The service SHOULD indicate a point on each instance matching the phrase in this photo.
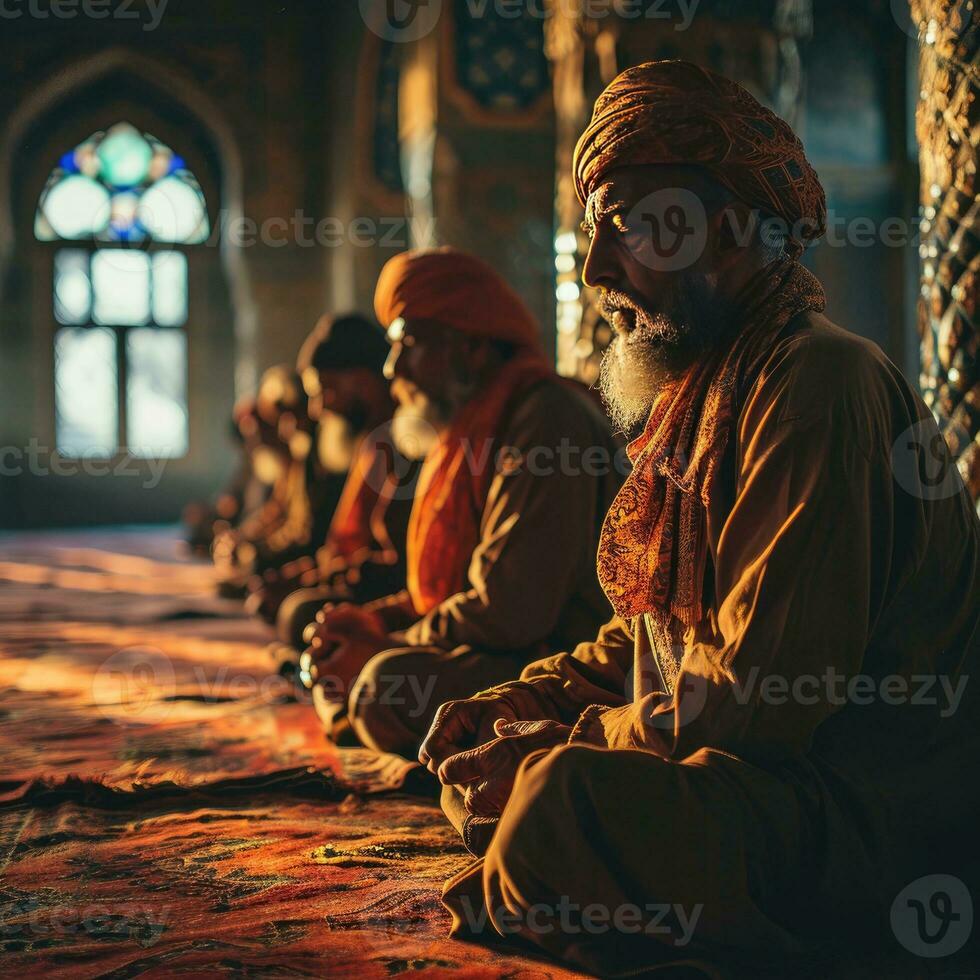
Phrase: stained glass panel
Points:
(156, 392)
(86, 392)
(72, 287)
(169, 289)
(173, 211)
(122, 185)
(76, 207)
(124, 156)
(121, 284)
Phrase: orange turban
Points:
(677, 113)
(454, 289)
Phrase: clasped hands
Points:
(478, 745)
(341, 640)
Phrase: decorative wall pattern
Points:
(497, 61)
(948, 128)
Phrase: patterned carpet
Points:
(167, 807)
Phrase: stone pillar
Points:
(947, 122)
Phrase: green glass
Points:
(125, 156)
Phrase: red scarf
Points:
(444, 526)
(370, 483)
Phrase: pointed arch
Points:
(171, 86)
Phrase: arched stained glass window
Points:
(129, 207)
(121, 185)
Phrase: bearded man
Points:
(743, 761)
(363, 554)
(519, 470)
(302, 497)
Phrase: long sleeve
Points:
(537, 534)
(595, 672)
(800, 567)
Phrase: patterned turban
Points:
(456, 290)
(677, 113)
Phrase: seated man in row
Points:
(519, 470)
(242, 496)
(363, 555)
(773, 738)
(302, 496)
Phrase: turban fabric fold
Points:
(678, 114)
(457, 290)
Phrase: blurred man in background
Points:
(278, 437)
(519, 469)
(363, 554)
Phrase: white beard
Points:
(266, 465)
(299, 445)
(415, 430)
(334, 442)
(629, 378)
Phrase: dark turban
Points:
(344, 343)
(679, 114)
(457, 290)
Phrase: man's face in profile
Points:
(651, 259)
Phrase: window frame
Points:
(120, 330)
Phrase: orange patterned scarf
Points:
(653, 546)
(444, 526)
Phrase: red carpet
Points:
(166, 807)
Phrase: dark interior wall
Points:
(858, 131)
(250, 94)
(273, 101)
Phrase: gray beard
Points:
(415, 429)
(659, 349)
(335, 442)
(629, 377)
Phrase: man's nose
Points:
(600, 268)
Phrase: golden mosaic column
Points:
(948, 128)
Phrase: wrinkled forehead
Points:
(653, 185)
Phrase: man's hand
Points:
(486, 773)
(336, 622)
(343, 639)
(269, 590)
(460, 725)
